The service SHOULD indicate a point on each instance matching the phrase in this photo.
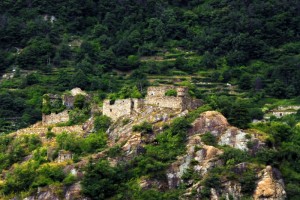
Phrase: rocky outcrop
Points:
(235, 138)
(270, 185)
(200, 157)
(216, 124)
(72, 192)
(145, 183)
(210, 121)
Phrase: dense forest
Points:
(111, 48)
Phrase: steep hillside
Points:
(155, 152)
(55, 46)
(182, 99)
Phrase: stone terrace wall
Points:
(54, 118)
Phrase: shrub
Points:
(101, 181)
(19, 179)
(69, 142)
(79, 101)
(102, 123)
(144, 127)
(69, 180)
(125, 121)
(94, 142)
(78, 116)
(172, 93)
(247, 180)
(114, 151)
(179, 126)
(50, 134)
(209, 139)
(232, 156)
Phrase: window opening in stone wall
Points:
(110, 110)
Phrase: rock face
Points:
(72, 192)
(204, 158)
(270, 186)
(201, 158)
(210, 121)
(234, 137)
(215, 123)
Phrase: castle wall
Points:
(165, 102)
(159, 91)
(68, 101)
(120, 108)
(155, 97)
(54, 118)
(138, 104)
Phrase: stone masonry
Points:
(67, 100)
(54, 118)
(121, 107)
(155, 97)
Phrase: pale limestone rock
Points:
(78, 91)
(210, 121)
(74, 192)
(269, 187)
(234, 137)
(207, 157)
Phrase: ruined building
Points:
(156, 96)
(56, 107)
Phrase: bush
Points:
(172, 93)
(79, 101)
(144, 127)
(102, 123)
(101, 181)
(78, 116)
(232, 156)
(20, 179)
(94, 142)
(114, 151)
(209, 139)
(247, 180)
(69, 142)
(69, 180)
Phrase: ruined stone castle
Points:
(67, 100)
(156, 96)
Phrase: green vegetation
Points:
(172, 93)
(102, 123)
(241, 57)
(209, 139)
(144, 127)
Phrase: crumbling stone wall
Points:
(54, 118)
(64, 155)
(155, 97)
(63, 102)
(121, 107)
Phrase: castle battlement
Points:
(156, 96)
